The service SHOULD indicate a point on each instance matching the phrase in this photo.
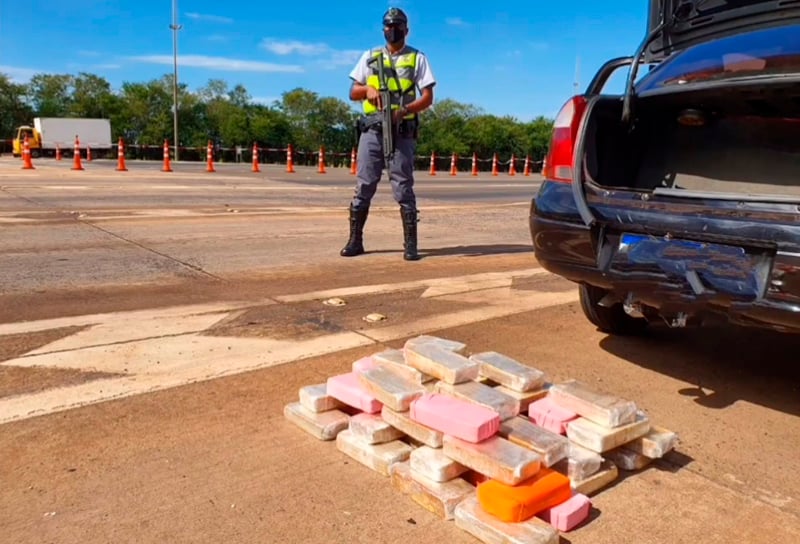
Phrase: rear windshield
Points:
(763, 53)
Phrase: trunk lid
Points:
(690, 22)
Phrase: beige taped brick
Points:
(605, 476)
(434, 465)
(323, 425)
(600, 439)
(477, 393)
(417, 431)
(655, 444)
(443, 343)
(525, 399)
(315, 398)
(508, 372)
(579, 464)
(373, 429)
(470, 517)
(395, 361)
(378, 457)
(551, 446)
(443, 364)
(390, 389)
(496, 457)
(441, 498)
(627, 459)
(603, 409)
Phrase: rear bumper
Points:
(565, 246)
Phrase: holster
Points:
(366, 123)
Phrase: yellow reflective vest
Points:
(399, 72)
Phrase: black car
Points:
(679, 200)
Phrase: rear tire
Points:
(611, 319)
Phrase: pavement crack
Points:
(190, 266)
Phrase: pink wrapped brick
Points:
(346, 388)
(365, 363)
(569, 514)
(459, 418)
(546, 413)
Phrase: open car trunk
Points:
(734, 142)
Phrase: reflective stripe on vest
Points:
(405, 66)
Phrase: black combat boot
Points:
(355, 245)
(409, 234)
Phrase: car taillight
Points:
(559, 160)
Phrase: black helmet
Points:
(394, 16)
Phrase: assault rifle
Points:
(387, 126)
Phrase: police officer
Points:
(407, 72)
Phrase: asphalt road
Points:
(154, 326)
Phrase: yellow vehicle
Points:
(50, 133)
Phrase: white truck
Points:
(49, 133)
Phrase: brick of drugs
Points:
(551, 446)
(546, 413)
(627, 459)
(477, 393)
(443, 343)
(599, 438)
(515, 503)
(580, 463)
(470, 517)
(496, 457)
(508, 372)
(373, 429)
(348, 389)
(389, 388)
(465, 420)
(378, 457)
(440, 363)
(605, 476)
(569, 514)
(402, 421)
(394, 360)
(434, 465)
(363, 364)
(655, 444)
(315, 398)
(601, 408)
(441, 498)
(525, 399)
(322, 425)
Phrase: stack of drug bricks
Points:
(483, 440)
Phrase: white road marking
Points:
(160, 349)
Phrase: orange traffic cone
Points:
(289, 160)
(58, 152)
(474, 164)
(321, 161)
(256, 167)
(121, 157)
(512, 168)
(433, 164)
(353, 162)
(167, 164)
(494, 165)
(88, 154)
(527, 171)
(453, 170)
(26, 155)
(210, 158)
(76, 154)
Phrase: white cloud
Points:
(456, 21)
(107, 66)
(210, 18)
(219, 63)
(294, 46)
(346, 57)
(218, 38)
(18, 75)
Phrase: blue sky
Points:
(510, 57)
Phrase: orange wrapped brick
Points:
(523, 501)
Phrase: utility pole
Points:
(175, 28)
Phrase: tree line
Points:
(142, 114)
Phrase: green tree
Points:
(14, 109)
(51, 95)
